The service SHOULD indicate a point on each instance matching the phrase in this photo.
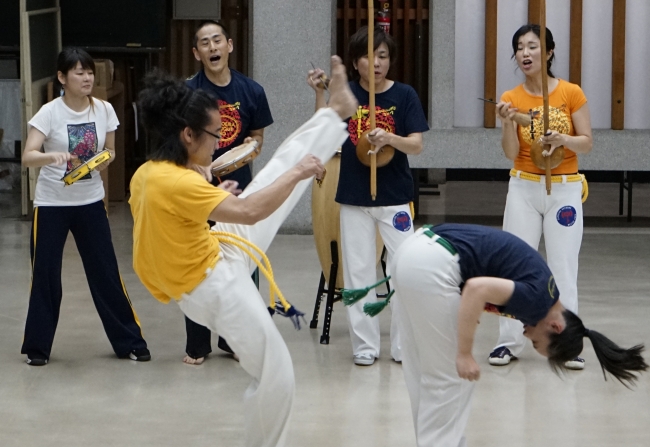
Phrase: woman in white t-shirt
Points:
(70, 130)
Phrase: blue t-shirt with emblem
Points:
(485, 251)
(243, 107)
(398, 110)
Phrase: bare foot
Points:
(342, 101)
(191, 361)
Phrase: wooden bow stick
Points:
(371, 93)
(545, 117)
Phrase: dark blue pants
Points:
(89, 226)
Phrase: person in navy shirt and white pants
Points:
(446, 276)
(400, 123)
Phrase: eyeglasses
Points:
(218, 137)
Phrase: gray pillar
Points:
(286, 36)
(442, 19)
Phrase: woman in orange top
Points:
(529, 210)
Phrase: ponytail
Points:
(619, 362)
(615, 360)
(167, 106)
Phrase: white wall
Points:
(469, 63)
(637, 64)
(597, 60)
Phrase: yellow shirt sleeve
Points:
(195, 198)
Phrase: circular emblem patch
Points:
(566, 216)
(551, 287)
(402, 221)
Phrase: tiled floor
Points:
(86, 396)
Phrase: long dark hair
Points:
(68, 60)
(619, 362)
(358, 48)
(167, 106)
(550, 43)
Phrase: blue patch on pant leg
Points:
(567, 216)
(402, 221)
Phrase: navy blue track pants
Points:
(89, 226)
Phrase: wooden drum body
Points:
(326, 221)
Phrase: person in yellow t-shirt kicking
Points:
(529, 211)
(176, 256)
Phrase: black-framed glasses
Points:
(218, 137)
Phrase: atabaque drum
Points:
(235, 158)
(326, 222)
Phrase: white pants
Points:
(427, 278)
(358, 245)
(531, 212)
(227, 301)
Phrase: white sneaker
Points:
(576, 364)
(364, 359)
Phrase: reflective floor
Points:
(86, 396)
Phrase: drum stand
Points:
(333, 294)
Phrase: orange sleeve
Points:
(577, 98)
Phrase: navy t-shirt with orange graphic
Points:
(243, 107)
(398, 111)
(485, 251)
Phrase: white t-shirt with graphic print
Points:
(79, 133)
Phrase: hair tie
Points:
(587, 331)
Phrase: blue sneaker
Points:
(501, 356)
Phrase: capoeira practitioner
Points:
(446, 276)
(400, 123)
(529, 211)
(208, 275)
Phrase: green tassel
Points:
(373, 309)
(351, 296)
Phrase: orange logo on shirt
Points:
(360, 121)
(230, 123)
(559, 121)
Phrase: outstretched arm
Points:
(476, 294)
(261, 204)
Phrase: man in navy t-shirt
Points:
(244, 113)
(242, 102)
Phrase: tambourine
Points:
(235, 158)
(86, 167)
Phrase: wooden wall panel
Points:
(409, 27)
(533, 11)
(575, 45)
(618, 66)
(178, 58)
(490, 81)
